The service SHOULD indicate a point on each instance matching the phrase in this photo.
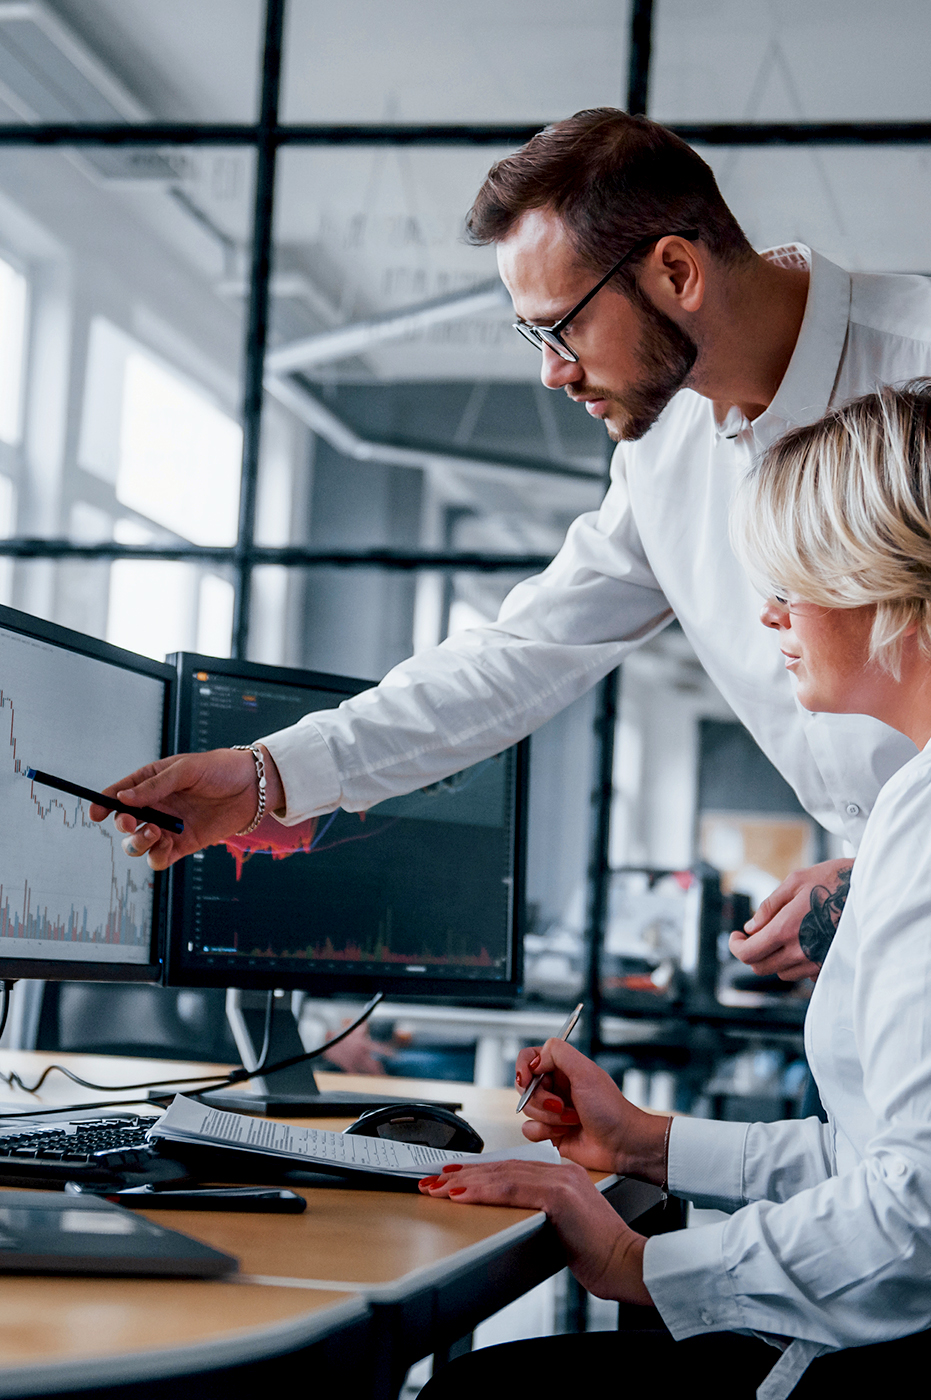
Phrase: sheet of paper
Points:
(189, 1121)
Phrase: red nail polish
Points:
(452, 1167)
(457, 1190)
(535, 1063)
(553, 1105)
(428, 1181)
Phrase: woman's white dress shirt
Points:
(831, 1239)
(657, 548)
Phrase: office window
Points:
(152, 606)
(215, 615)
(7, 518)
(179, 455)
(13, 299)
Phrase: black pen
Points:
(143, 814)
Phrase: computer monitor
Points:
(420, 896)
(73, 905)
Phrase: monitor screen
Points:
(420, 894)
(73, 905)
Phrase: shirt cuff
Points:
(706, 1162)
(308, 773)
(685, 1275)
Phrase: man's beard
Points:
(667, 355)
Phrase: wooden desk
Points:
(427, 1271)
(174, 1337)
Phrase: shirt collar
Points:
(804, 394)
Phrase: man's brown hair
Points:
(613, 179)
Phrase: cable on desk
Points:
(237, 1076)
(267, 1033)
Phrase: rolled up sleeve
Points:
(485, 688)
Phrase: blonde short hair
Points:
(839, 513)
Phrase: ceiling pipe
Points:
(393, 325)
(345, 440)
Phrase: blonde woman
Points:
(826, 1255)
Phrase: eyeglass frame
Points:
(536, 335)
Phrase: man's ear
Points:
(674, 276)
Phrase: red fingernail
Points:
(553, 1105)
(457, 1190)
(428, 1181)
(534, 1063)
(453, 1167)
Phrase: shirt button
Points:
(706, 1317)
(852, 809)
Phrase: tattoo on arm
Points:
(819, 925)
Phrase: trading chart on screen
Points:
(67, 889)
(420, 885)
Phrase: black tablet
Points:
(43, 1232)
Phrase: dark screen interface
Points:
(417, 885)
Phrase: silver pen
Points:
(564, 1033)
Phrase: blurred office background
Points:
(400, 478)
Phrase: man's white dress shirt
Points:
(658, 547)
(831, 1240)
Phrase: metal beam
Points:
(344, 439)
(286, 556)
(804, 133)
(355, 339)
(257, 324)
(852, 133)
(638, 64)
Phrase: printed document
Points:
(189, 1121)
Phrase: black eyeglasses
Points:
(551, 335)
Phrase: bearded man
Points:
(634, 281)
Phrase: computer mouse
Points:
(421, 1123)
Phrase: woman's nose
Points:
(773, 614)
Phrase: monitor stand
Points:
(293, 1092)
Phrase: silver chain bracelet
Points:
(256, 753)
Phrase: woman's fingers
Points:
(528, 1063)
(550, 1112)
(510, 1183)
(555, 1133)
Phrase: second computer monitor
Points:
(421, 894)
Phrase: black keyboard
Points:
(96, 1150)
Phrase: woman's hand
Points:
(605, 1255)
(580, 1109)
(215, 794)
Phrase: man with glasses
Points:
(632, 278)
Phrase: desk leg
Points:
(460, 1348)
(575, 1306)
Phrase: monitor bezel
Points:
(462, 991)
(56, 969)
